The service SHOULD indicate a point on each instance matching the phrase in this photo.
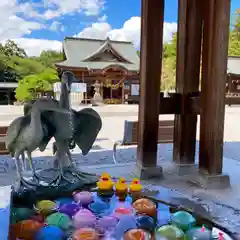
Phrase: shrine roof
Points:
(233, 65)
(79, 53)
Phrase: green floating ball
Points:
(198, 233)
(20, 214)
(60, 220)
(170, 232)
(183, 220)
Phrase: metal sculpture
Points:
(56, 119)
(25, 135)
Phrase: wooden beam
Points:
(214, 75)
(152, 18)
(187, 78)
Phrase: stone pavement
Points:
(113, 122)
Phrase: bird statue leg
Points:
(22, 181)
(23, 161)
(32, 167)
(74, 171)
(61, 159)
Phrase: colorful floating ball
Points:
(50, 233)
(145, 206)
(170, 232)
(69, 209)
(145, 222)
(106, 222)
(137, 234)
(198, 233)
(62, 201)
(26, 229)
(122, 211)
(60, 220)
(84, 218)
(45, 207)
(99, 208)
(85, 234)
(20, 214)
(83, 197)
(39, 218)
(183, 220)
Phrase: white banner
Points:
(135, 89)
(57, 87)
(76, 87)
(79, 87)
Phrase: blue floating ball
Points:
(50, 233)
(145, 222)
(64, 200)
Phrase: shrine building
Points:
(112, 65)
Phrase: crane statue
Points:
(80, 127)
(25, 134)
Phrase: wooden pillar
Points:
(214, 74)
(189, 38)
(150, 75)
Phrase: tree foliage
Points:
(32, 85)
(234, 38)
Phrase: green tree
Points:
(25, 66)
(234, 38)
(12, 49)
(31, 86)
(49, 58)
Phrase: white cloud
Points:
(102, 18)
(19, 20)
(55, 26)
(88, 7)
(34, 47)
(130, 31)
(13, 25)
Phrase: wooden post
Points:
(189, 38)
(214, 74)
(150, 67)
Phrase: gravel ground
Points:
(112, 130)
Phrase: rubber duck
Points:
(105, 182)
(135, 186)
(121, 186)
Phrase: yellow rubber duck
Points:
(121, 186)
(135, 186)
(105, 182)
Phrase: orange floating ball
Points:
(85, 234)
(145, 206)
(25, 229)
(137, 234)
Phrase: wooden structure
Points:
(114, 64)
(7, 93)
(203, 32)
(130, 137)
(3, 132)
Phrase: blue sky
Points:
(117, 11)
(42, 24)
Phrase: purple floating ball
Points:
(106, 222)
(83, 197)
(69, 209)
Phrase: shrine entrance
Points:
(113, 91)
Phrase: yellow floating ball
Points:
(45, 206)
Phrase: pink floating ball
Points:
(84, 218)
(83, 197)
(122, 211)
